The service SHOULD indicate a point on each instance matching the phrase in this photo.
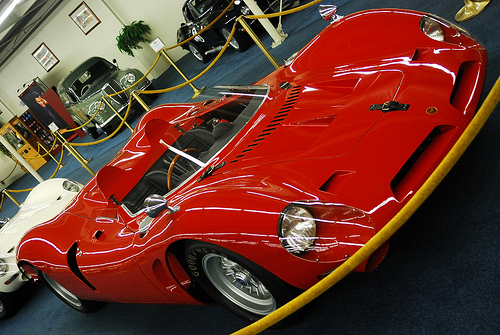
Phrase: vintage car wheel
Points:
(66, 296)
(243, 287)
(92, 132)
(239, 42)
(6, 306)
(198, 53)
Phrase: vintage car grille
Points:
(111, 88)
(277, 120)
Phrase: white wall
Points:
(71, 46)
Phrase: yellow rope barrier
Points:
(391, 227)
(285, 12)
(1, 202)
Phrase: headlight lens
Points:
(93, 107)
(4, 267)
(130, 78)
(245, 10)
(432, 28)
(71, 186)
(297, 229)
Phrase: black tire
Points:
(198, 52)
(83, 306)
(239, 42)
(7, 308)
(108, 130)
(226, 277)
(92, 131)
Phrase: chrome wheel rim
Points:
(195, 52)
(1, 307)
(238, 285)
(233, 41)
(62, 292)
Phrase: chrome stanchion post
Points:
(197, 91)
(74, 152)
(6, 192)
(136, 96)
(257, 41)
(53, 158)
(471, 9)
(116, 112)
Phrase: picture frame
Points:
(45, 57)
(84, 18)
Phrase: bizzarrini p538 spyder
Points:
(251, 195)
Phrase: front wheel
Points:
(7, 308)
(243, 287)
(239, 42)
(66, 296)
(198, 52)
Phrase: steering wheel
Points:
(172, 164)
(85, 89)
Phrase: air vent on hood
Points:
(274, 123)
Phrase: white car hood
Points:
(39, 207)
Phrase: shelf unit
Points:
(24, 141)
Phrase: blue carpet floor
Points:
(441, 275)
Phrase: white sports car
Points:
(45, 202)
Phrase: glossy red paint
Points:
(313, 142)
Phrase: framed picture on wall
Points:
(84, 18)
(45, 57)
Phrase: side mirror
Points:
(329, 13)
(154, 204)
(3, 222)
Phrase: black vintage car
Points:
(200, 13)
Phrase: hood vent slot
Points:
(276, 121)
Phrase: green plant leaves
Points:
(130, 36)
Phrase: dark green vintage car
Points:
(82, 89)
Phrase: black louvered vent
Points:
(278, 119)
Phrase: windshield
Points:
(190, 145)
(84, 82)
(201, 6)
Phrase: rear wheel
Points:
(66, 296)
(243, 287)
(6, 306)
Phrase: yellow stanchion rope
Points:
(285, 12)
(392, 226)
(110, 135)
(52, 176)
(1, 202)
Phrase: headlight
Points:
(432, 28)
(130, 78)
(245, 10)
(4, 267)
(71, 186)
(297, 229)
(93, 107)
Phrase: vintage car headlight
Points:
(432, 28)
(297, 229)
(245, 10)
(4, 267)
(129, 78)
(93, 107)
(71, 186)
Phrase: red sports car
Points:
(264, 189)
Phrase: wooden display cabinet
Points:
(24, 141)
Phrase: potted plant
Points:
(130, 36)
